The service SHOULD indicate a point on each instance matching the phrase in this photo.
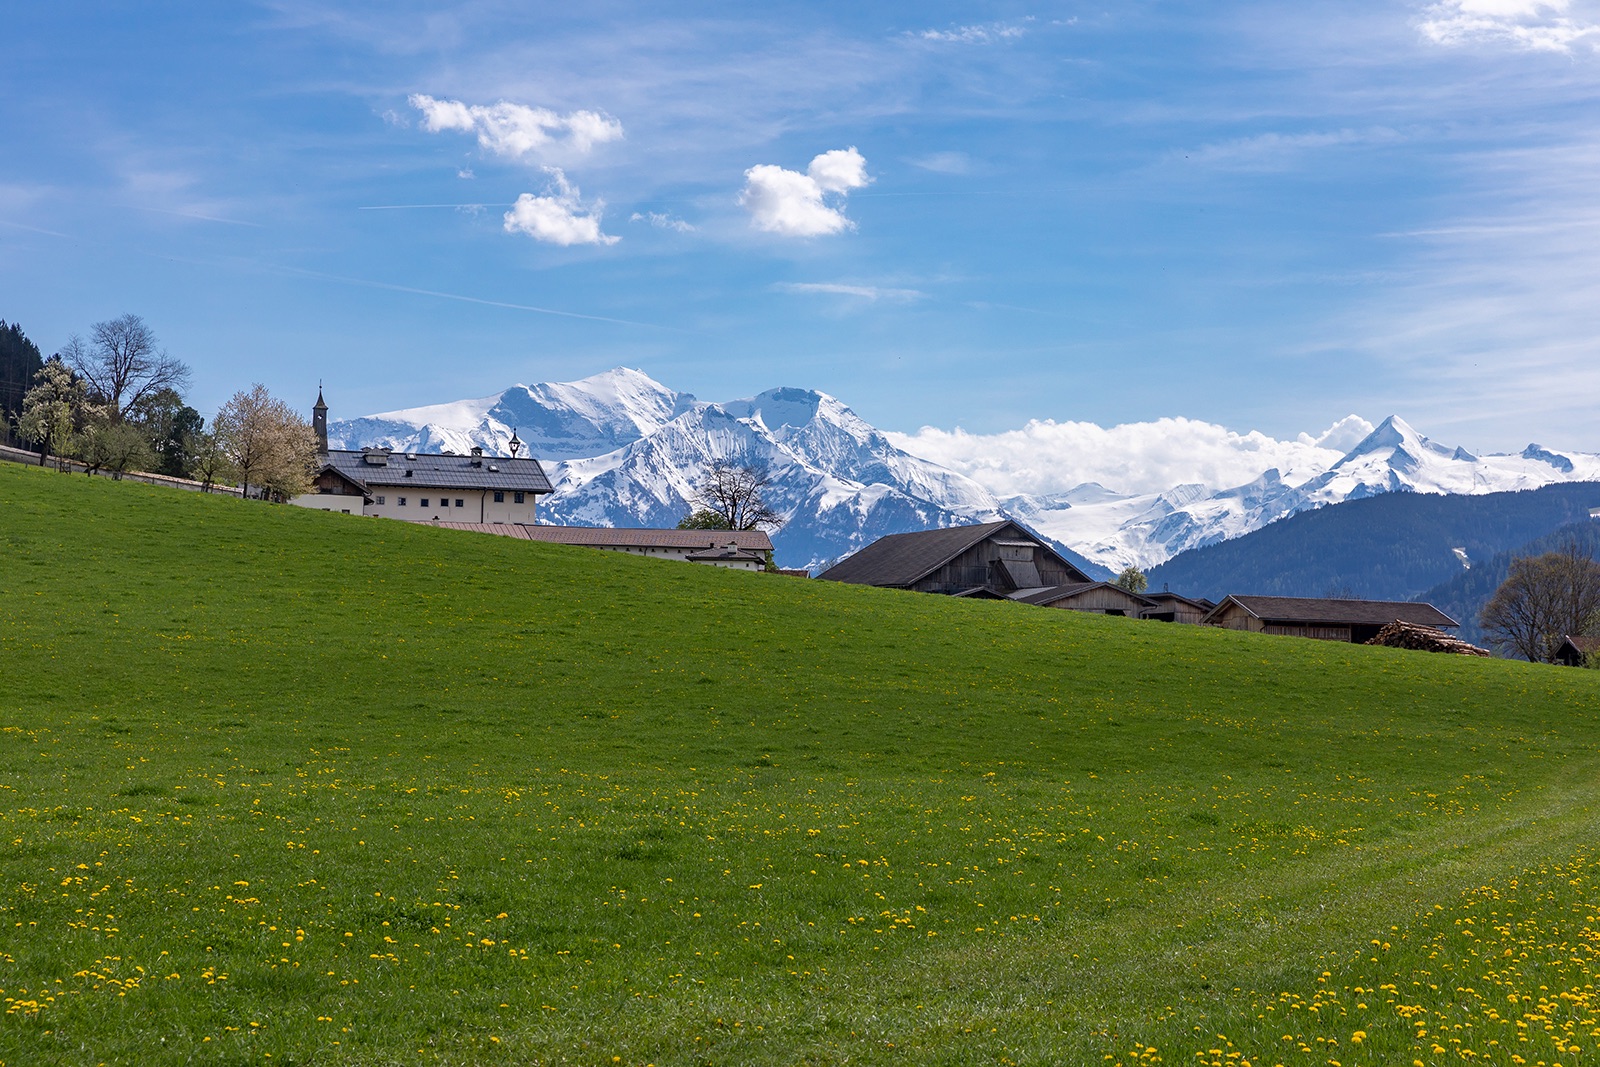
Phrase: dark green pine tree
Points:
(19, 362)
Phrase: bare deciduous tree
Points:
(733, 494)
(122, 364)
(1542, 601)
(268, 444)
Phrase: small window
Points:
(460, 503)
(499, 498)
(516, 498)
(444, 502)
(380, 501)
(401, 502)
(424, 501)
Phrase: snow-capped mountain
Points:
(555, 420)
(623, 450)
(1116, 530)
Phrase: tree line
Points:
(114, 402)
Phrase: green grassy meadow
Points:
(280, 786)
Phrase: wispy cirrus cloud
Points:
(1276, 151)
(1538, 25)
(978, 33)
(517, 130)
(662, 221)
(871, 293)
(793, 204)
(559, 217)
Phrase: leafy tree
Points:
(20, 361)
(267, 443)
(704, 519)
(114, 446)
(53, 409)
(122, 364)
(734, 494)
(169, 427)
(1132, 579)
(208, 460)
(1542, 601)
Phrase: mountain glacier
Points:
(623, 450)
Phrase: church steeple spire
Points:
(319, 422)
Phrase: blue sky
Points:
(1267, 216)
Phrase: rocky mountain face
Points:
(623, 450)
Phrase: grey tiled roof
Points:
(607, 537)
(1325, 612)
(427, 471)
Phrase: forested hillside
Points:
(1463, 596)
(1392, 547)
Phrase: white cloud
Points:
(872, 293)
(792, 204)
(1539, 25)
(559, 217)
(519, 131)
(1046, 456)
(985, 33)
(662, 221)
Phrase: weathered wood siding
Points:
(1317, 633)
(1102, 601)
(973, 568)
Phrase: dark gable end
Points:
(957, 558)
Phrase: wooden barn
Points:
(1170, 607)
(1577, 651)
(995, 558)
(1357, 621)
(1099, 598)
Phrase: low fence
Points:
(72, 466)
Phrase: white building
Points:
(423, 487)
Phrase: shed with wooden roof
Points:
(1578, 651)
(1001, 557)
(745, 550)
(1319, 617)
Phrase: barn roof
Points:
(1167, 597)
(1056, 594)
(1322, 611)
(904, 559)
(608, 537)
(1587, 646)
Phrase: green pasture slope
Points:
(281, 786)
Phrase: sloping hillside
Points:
(346, 790)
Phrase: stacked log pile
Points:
(1424, 639)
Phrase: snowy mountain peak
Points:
(624, 450)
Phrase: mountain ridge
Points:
(624, 450)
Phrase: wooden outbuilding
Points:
(1324, 619)
(745, 550)
(1098, 598)
(1170, 607)
(1576, 651)
(992, 558)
